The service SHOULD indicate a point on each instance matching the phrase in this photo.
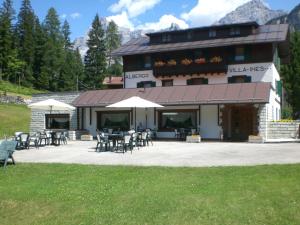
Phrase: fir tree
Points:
(113, 41)
(291, 73)
(66, 35)
(41, 79)
(26, 40)
(95, 59)
(53, 50)
(6, 37)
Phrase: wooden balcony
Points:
(192, 68)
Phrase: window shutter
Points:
(153, 84)
(279, 87)
(205, 81)
(189, 82)
(140, 85)
(248, 79)
(230, 80)
(247, 53)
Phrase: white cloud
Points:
(164, 22)
(75, 15)
(207, 12)
(133, 7)
(121, 20)
(63, 16)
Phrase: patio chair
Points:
(102, 142)
(43, 137)
(35, 139)
(135, 140)
(24, 141)
(127, 143)
(144, 139)
(63, 137)
(177, 134)
(57, 138)
(149, 136)
(7, 149)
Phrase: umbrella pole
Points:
(135, 118)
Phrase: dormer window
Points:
(212, 33)
(234, 31)
(166, 38)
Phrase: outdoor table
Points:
(114, 138)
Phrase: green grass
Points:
(13, 118)
(79, 194)
(13, 89)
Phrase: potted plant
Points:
(216, 59)
(186, 61)
(172, 62)
(159, 63)
(200, 60)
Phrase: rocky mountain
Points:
(293, 18)
(255, 10)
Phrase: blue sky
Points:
(144, 14)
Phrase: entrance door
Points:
(239, 122)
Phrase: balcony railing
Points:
(192, 68)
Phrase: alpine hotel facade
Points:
(221, 80)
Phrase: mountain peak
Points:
(254, 10)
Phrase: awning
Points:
(181, 95)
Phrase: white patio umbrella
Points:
(135, 102)
(51, 105)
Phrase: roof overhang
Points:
(182, 95)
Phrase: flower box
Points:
(200, 61)
(171, 62)
(193, 139)
(186, 62)
(159, 63)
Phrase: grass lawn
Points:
(79, 194)
(14, 89)
(13, 118)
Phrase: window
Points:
(113, 120)
(239, 54)
(166, 38)
(147, 61)
(146, 84)
(212, 33)
(167, 83)
(177, 119)
(197, 81)
(239, 79)
(235, 31)
(57, 121)
(189, 35)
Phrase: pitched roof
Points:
(113, 80)
(265, 34)
(181, 95)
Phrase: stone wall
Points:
(262, 125)
(38, 122)
(283, 130)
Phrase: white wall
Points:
(209, 127)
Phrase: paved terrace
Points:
(168, 154)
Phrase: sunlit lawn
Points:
(78, 194)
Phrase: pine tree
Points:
(95, 59)
(6, 37)
(26, 40)
(66, 35)
(113, 41)
(53, 50)
(41, 79)
(291, 73)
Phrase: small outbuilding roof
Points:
(181, 95)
